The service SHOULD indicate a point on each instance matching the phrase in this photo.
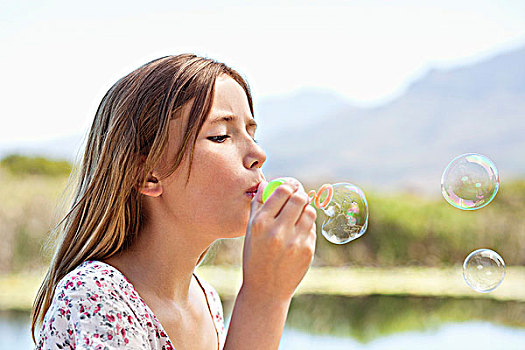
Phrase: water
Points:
(14, 331)
(370, 323)
(459, 336)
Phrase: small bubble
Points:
(483, 270)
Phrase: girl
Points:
(170, 166)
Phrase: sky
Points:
(58, 58)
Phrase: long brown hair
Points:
(128, 138)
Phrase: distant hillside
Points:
(317, 136)
(297, 110)
(407, 143)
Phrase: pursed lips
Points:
(252, 191)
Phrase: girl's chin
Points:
(235, 229)
(235, 234)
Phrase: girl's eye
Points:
(219, 139)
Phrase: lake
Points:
(370, 323)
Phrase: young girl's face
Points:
(226, 168)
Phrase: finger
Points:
(307, 219)
(312, 239)
(307, 242)
(294, 181)
(293, 208)
(275, 203)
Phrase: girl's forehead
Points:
(229, 98)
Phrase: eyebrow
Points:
(231, 118)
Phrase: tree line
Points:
(404, 229)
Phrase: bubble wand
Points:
(343, 205)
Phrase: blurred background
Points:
(380, 94)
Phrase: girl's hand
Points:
(280, 241)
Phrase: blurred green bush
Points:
(404, 229)
(26, 165)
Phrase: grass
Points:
(361, 281)
(17, 291)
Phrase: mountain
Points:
(297, 110)
(407, 143)
(318, 136)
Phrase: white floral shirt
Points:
(96, 307)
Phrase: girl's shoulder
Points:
(95, 276)
(97, 282)
(95, 306)
(101, 286)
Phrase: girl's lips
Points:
(252, 191)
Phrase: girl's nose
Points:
(255, 157)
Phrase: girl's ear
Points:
(151, 188)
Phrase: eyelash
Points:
(219, 139)
(222, 138)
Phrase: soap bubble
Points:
(483, 270)
(470, 181)
(347, 213)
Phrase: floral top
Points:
(96, 307)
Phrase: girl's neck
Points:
(160, 264)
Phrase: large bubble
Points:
(470, 181)
(347, 214)
(484, 270)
